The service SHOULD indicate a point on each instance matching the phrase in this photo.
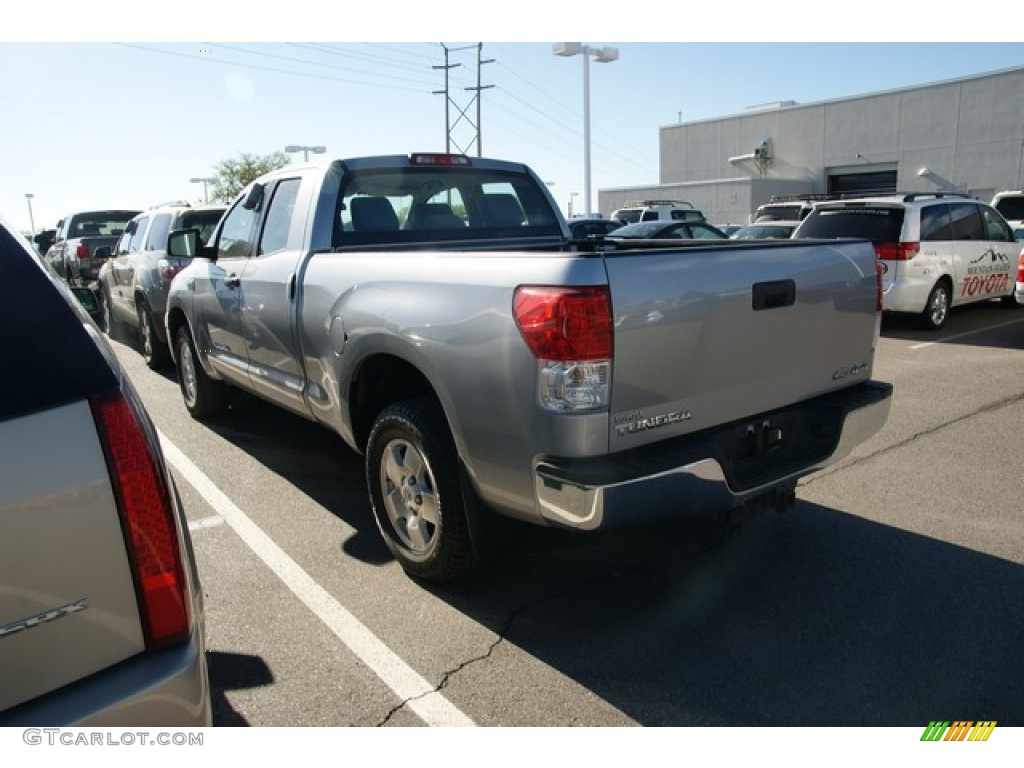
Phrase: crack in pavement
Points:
(733, 521)
(843, 466)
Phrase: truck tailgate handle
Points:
(773, 294)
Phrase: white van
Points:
(937, 250)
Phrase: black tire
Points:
(936, 309)
(202, 395)
(422, 504)
(154, 352)
(111, 325)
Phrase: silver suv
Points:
(937, 250)
(101, 613)
(133, 282)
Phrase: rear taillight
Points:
(1020, 268)
(168, 268)
(897, 251)
(148, 519)
(82, 251)
(565, 323)
(569, 331)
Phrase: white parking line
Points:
(432, 707)
(206, 522)
(968, 333)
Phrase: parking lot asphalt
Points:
(886, 597)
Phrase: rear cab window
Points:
(410, 205)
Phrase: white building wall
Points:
(968, 134)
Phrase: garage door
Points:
(867, 183)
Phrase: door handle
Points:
(232, 281)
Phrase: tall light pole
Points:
(305, 150)
(602, 55)
(31, 218)
(205, 180)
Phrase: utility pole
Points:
(449, 102)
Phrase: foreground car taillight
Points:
(569, 331)
(1020, 267)
(148, 519)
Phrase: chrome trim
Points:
(699, 487)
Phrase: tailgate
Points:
(67, 602)
(706, 336)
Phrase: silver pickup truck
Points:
(432, 311)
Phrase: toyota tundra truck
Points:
(433, 311)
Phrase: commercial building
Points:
(964, 135)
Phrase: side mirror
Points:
(253, 198)
(186, 243)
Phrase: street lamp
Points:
(602, 56)
(31, 218)
(204, 180)
(305, 150)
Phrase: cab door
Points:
(122, 267)
(217, 311)
(269, 295)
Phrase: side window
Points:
(967, 224)
(935, 223)
(157, 238)
(279, 216)
(996, 226)
(135, 244)
(237, 234)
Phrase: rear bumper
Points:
(168, 688)
(714, 470)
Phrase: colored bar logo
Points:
(959, 730)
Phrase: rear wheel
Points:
(936, 309)
(422, 504)
(203, 396)
(154, 352)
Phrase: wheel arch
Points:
(380, 380)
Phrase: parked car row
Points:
(134, 280)
(937, 250)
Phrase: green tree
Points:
(234, 173)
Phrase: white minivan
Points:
(937, 250)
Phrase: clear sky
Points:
(91, 123)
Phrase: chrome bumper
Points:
(714, 470)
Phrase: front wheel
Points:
(203, 396)
(936, 309)
(420, 500)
